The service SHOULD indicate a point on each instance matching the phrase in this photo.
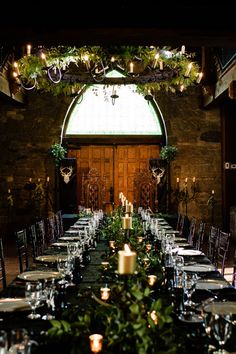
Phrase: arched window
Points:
(114, 110)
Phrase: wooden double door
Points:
(117, 164)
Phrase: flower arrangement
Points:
(168, 153)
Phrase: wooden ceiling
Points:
(124, 22)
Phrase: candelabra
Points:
(186, 193)
(211, 203)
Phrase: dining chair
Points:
(59, 223)
(51, 230)
(234, 271)
(22, 249)
(222, 249)
(213, 236)
(33, 242)
(41, 236)
(192, 228)
(3, 278)
(199, 235)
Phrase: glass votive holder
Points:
(96, 342)
(140, 239)
(146, 262)
(152, 279)
(148, 247)
(112, 244)
(105, 293)
(105, 265)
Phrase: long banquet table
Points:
(211, 284)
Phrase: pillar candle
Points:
(127, 222)
(129, 208)
(152, 279)
(126, 261)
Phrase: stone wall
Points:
(196, 132)
(27, 132)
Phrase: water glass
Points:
(19, 341)
(3, 342)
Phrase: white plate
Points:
(49, 258)
(190, 253)
(70, 238)
(211, 284)
(59, 244)
(14, 304)
(182, 244)
(74, 232)
(221, 308)
(35, 275)
(199, 268)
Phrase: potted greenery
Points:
(58, 152)
(168, 153)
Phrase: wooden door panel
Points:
(118, 165)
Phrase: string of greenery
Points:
(138, 317)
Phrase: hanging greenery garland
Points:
(65, 70)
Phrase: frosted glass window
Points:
(97, 113)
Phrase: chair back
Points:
(41, 236)
(199, 236)
(22, 249)
(192, 228)
(3, 279)
(222, 249)
(212, 244)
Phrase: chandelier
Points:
(67, 69)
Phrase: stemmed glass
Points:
(189, 287)
(19, 341)
(33, 294)
(221, 325)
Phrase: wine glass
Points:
(33, 294)
(221, 325)
(19, 341)
(189, 287)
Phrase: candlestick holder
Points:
(186, 194)
(211, 203)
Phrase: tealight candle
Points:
(126, 261)
(140, 239)
(112, 244)
(105, 293)
(105, 265)
(152, 279)
(96, 342)
(148, 247)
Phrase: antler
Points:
(66, 172)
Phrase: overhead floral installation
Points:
(65, 70)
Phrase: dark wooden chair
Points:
(144, 190)
(22, 249)
(41, 236)
(32, 241)
(3, 278)
(199, 236)
(212, 243)
(93, 190)
(222, 248)
(192, 228)
(59, 224)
